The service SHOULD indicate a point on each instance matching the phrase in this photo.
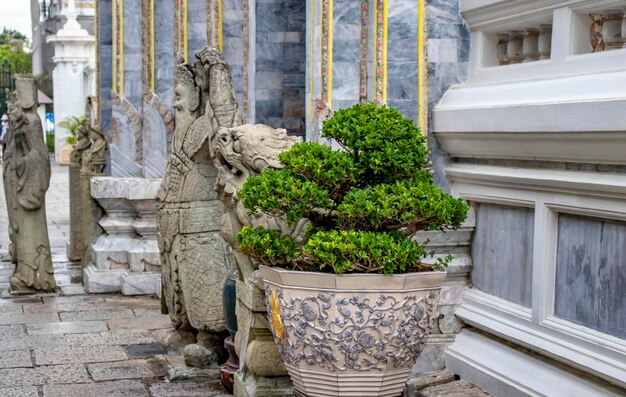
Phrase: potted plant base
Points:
(351, 334)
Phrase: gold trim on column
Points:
(380, 51)
(121, 47)
(221, 24)
(421, 68)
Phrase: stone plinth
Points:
(126, 256)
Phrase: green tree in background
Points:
(15, 51)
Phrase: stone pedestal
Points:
(261, 371)
(125, 257)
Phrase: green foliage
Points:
(14, 52)
(363, 202)
(72, 124)
(282, 192)
(268, 246)
(385, 145)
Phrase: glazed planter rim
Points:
(413, 281)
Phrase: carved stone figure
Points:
(193, 257)
(76, 245)
(242, 152)
(93, 159)
(26, 180)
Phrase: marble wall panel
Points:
(345, 57)
(280, 63)
(590, 273)
(133, 66)
(196, 26)
(502, 252)
(164, 56)
(448, 55)
(232, 39)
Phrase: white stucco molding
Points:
(549, 193)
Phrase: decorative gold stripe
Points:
(221, 24)
(121, 45)
(421, 68)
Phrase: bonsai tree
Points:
(363, 202)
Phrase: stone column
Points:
(73, 51)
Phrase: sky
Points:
(15, 14)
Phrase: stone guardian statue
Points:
(26, 179)
(193, 254)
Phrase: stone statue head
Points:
(187, 91)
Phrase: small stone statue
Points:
(193, 256)
(76, 245)
(26, 180)
(93, 160)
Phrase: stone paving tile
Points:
(53, 374)
(142, 312)
(15, 359)
(122, 388)
(64, 300)
(459, 388)
(29, 318)
(12, 330)
(140, 323)
(68, 327)
(106, 314)
(145, 350)
(132, 369)
(10, 308)
(24, 391)
(117, 337)
(32, 342)
(114, 337)
(67, 307)
(189, 389)
(133, 302)
(80, 355)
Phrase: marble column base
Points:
(121, 280)
(261, 386)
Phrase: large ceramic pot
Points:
(350, 335)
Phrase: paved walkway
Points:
(56, 345)
(89, 346)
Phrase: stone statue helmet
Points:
(187, 92)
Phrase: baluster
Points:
(515, 46)
(624, 30)
(545, 42)
(612, 29)
(501, 50)
(595, 33)
(531, 45)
